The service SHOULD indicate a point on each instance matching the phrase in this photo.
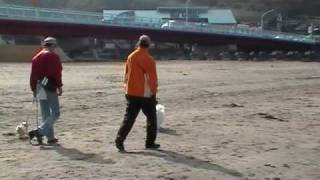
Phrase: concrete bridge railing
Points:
(83, 17)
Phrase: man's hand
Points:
(125, 87)
(59, 91)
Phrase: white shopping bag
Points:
(160, 115)
(41, 93)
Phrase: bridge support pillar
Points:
(1, 41)
(95, 53)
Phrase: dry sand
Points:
(224, 120)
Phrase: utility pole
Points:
(187, 9)
(35, 3)
(262, 16)
(279, 22)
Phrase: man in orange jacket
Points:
(140, 85)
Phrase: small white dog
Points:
(160, 115)
(22, 130)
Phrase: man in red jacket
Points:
(140, 85)
(46, 76)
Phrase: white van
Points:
(169, 24)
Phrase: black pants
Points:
(134, 105)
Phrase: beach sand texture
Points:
(224, 120)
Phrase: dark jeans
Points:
(134, 104)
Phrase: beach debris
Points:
(271, 117)
(272, 149)
(8, 134)
(270, 165)
(286, 165)
(233, 105)
(308, 78)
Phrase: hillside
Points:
(245, 10)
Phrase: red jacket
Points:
(46, 64)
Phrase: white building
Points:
(195, 14)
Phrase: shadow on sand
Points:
(74, 154)
(187, 160)
(169, 131)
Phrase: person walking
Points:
(140, 86)
(46, 73)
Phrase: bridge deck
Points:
(42, 21)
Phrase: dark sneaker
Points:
(53, 141)
(31, 135)
(39, 140)
(35, 133)
(120, 146)
(153, 146)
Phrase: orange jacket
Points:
(140, 76)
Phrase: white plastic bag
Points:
(160, 115)
(41, 93)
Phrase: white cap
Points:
(145, 38)
(50, 40)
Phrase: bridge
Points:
(21, 20)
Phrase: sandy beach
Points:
(225, 120)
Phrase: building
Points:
(189, 14)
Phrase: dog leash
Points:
(35, 101)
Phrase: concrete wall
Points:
(17, 53)
(23, 53)
(1, 41)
